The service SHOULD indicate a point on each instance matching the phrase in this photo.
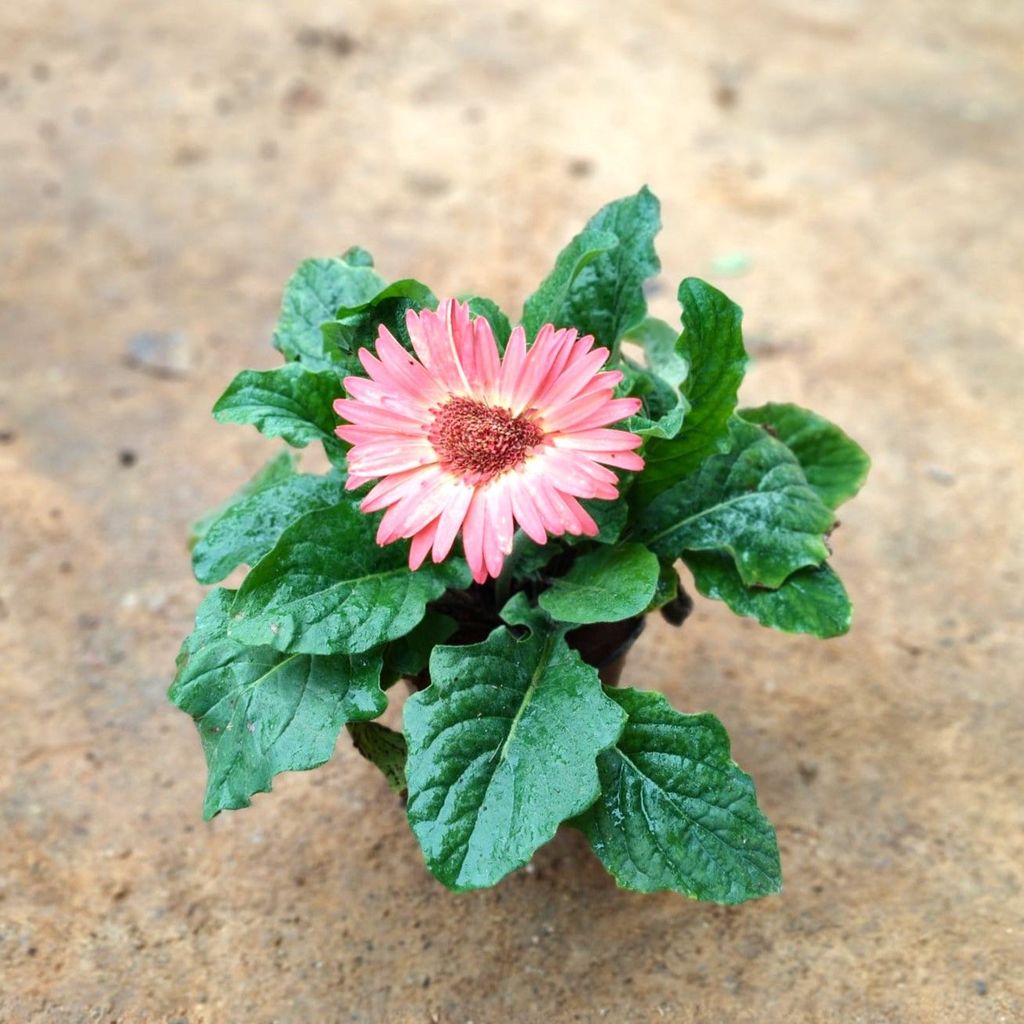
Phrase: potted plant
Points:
(505, 506)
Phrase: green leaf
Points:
(605, 585)
(359, 326)
(248, 526)
(753, 501)
(489, 311)
(502, 748)
(834, 464)
(661, 343)
(383, 747)
(280, 467)
(528, 558)
(313, 295)
(260, 712)
(812, 600)
(327, 588)
(357, 256)
(667, 589)
(610, 516)
(290, 402)
(676, 813)
(552, 301)
(605, 296)
(664, 406)
(712, 346)
(407, 657)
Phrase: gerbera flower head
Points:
(464, 440)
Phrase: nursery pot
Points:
(606, 644)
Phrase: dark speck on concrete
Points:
(336, 41)
(581, 167)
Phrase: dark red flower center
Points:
(480, 441)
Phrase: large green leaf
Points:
(604, 296)
(277, 469)
(753, 501)
(675, 811)
(606, 585)
(327, 588)
(248, 526)
(291, 402)
(812, 600)
(260, 712)
(502, 748)
(834, 464)
(312, 297)
(359, 326)
(550, 303)
(712, 346)
(489, 310)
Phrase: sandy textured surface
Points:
(164, 166)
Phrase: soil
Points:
(850, 172)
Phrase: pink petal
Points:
(369, 435)
(494, 553)
(572, 379)
(573, 418)
(562, 417)
(564, 474)
(369, 415)
(582, 521)
(477, 351)
(541, 358)
(579, 476)
(525, 511)
(598, 439)
(550, 506)
(499, 514)
(380, 375)
(410, 375)
(382, 458)
(623, 460)
(421, 545)
(512, 365)
(414, 510)
(568, 344)
(473, 537)
(488, 362)
(451, 520)
(394, 488)
(433, 337)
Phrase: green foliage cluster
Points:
(515, 735)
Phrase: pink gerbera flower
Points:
(464, 439)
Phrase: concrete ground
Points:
(849, 171)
